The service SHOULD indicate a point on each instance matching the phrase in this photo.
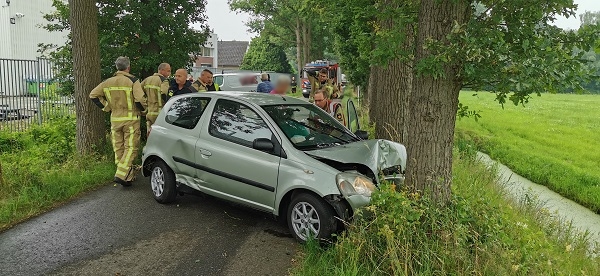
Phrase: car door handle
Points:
(204, 152)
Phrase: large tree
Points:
(265, 55)
(86, 58)
(423, 52)
(147, 31)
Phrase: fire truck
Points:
(335, 73)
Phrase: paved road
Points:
(123, 231)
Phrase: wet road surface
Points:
(124, 231)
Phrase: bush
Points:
(40, 167)
(479, 232)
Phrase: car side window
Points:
(186, 112)
(233, 80)
(237, 123)
(218, 80)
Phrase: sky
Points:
(230, 26)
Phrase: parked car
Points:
(277, 154)
(244, 81)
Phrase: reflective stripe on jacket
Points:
(119, 95)
(154, 87)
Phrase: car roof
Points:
(236, 74)
(257, 98)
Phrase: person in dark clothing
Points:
(180, 85)
(294, 84)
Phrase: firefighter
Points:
(322, 81)
(205, 82)
(155, 88)
(123, 96)
(294, 84)
(336, 110)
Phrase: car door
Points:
(353, 123)
(184, 115)
(232, 167)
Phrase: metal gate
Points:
(30, 94)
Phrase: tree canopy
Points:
(265, 55)
(148, 32)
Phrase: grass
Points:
(481, 232)
(552, 141)
(41, 169)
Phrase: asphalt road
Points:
(123, 231)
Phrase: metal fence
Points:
(30, 94)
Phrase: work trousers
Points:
(150, 119)
(125, 139)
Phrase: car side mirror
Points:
(263, 144)
(363, 135)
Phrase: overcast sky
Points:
(230, 26)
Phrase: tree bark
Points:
(299, 48)
(86, 64)
(394, 87)
(305, 43)
(151, 47)
(433, 105)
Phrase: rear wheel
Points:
(310, 216)
(162, 181)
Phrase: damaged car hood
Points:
(377, 154)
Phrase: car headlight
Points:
(354, 184)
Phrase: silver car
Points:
(277, 154)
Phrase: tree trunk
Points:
(433, 105)
(392, 91)
(86, 64)
(151, 46)
(299, 48)
(372, 94)
(394, 87)
(305, 40)
(309, 40)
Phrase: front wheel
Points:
(310, 216)
(162, 181)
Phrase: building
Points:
(20, 33)
(231, 54)
(19, 26)
(209, 53)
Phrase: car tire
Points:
(162, 182)
(308, 213)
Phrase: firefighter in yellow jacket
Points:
(122, 95)
(155, 88)
(319, 81)
(205, 83)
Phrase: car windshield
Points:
(308, 127)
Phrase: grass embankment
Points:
(40, 168)
(552, 141)
(480, 233)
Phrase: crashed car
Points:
(277, 154)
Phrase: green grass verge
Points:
(552, 141)
(40, 169)
(482, 232)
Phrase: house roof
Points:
(231, 53)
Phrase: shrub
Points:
(479, 232)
